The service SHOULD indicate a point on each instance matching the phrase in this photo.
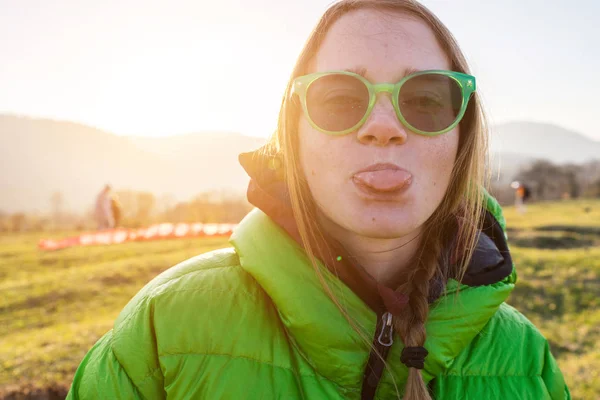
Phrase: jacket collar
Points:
(319, 330)
(491, 262)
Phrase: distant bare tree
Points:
(18, 222)
(593, 189)
(571, 173)
(550, 181)
(57, 201)
(589, 177)
(4, 221)
(165, 202)
(502, 192)
(208, 207)
(145, 207)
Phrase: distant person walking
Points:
(104, 209)
(522, 193)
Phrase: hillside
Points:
(537, 140)
(39, 157)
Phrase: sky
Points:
(154, 68)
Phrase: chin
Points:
(385, 226)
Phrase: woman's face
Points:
(381, 181)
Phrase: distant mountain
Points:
(202, 161)
(39, 157)
(537, 140)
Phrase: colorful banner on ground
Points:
(154, 232)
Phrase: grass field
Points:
(55, 305)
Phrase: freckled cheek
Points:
(318, 165)
(322, 174)
(326, 166)
(438, 161)
(322, 157)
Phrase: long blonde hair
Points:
(463, 199)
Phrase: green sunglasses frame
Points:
(466, 82)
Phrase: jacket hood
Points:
(268, 249)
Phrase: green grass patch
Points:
(556, 249)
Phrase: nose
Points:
(382, 127)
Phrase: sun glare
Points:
(216, 86)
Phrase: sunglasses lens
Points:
(337, 102)
(430, 102)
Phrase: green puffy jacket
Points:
(253, 322)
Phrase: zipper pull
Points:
(386, 336)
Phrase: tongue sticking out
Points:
(387, 180)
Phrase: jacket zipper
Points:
(382, 342)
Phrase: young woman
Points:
(375, 265)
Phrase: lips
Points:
(383, 178)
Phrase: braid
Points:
(411, 324)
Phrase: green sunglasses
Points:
(427, 102)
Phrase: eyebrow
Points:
(362, 71)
